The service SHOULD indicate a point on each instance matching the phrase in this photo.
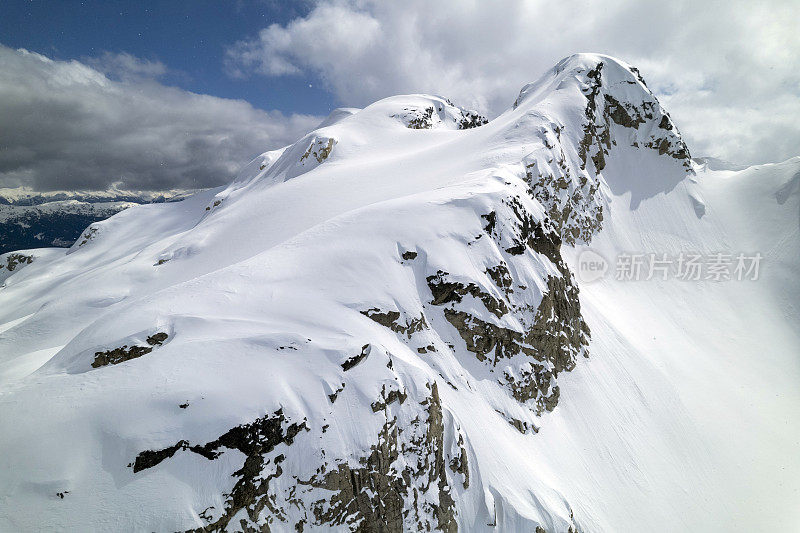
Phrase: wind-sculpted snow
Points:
(373, 329)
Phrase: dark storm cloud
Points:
(66, 125)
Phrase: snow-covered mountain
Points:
(32, 219)
(381, 328)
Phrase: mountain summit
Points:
(378, 328)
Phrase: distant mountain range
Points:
(32, 219)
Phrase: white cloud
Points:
(727, 71)
(307, 41)
(127, 67)
(67, 125)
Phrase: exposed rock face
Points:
(401, 485)
(353, 361)
(15, 260)
(603, 109)
(88, 235)
(570, 195)
(250, 493)
(439, 113)
(320, 149)
(394, 395)
(471, 119)
(391, 319)
(639, 111)
(125, 353)
(445, 291)
(552, 343)
(419, 119)
(554, 333)
(303, 156)
(620, 111)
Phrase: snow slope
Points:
(378, 327)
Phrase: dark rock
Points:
(353, 361)
(333, 396)
(125, 353)
(14, 260)
(391, 320)
(422, 121)
(471, 119)
(157, 339)
(371, 498)
(253, 440)
(445, 291)
(460, 464)
(150, 458)
(491, 221)
(392, 396)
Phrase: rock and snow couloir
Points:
(378, 328)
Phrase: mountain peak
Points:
(614, 96)
(584, 70)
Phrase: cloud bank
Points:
(67, 125)
(726, 71)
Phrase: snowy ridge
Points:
(27, 196)
(55, 218)
(375, 328)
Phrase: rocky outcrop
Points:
(619, 112)
(554, 333)
(88, 235)
(15, 260)
(126, 353)
(446, 291)
(391, 320)
(356, 359)
(471, 119)
(439, 113)
(320, 149)
(418, 119)
(654, 127)
(401, 485)
(251, 490)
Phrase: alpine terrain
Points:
(389, 326)
(30, 219)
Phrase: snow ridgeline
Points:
(366, 329)
(30, 219)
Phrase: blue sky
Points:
(189, 38)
